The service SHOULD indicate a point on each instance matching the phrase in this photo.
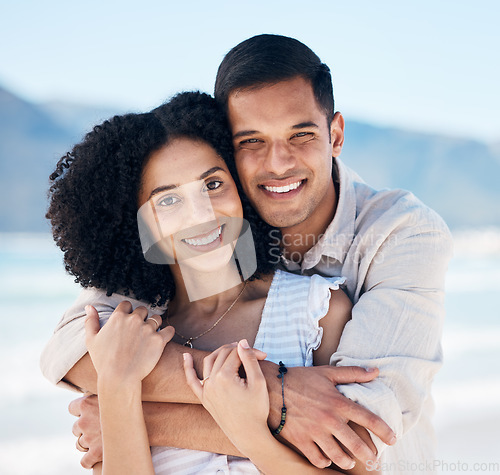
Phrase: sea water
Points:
(35, 426)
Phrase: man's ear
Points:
(337, 134)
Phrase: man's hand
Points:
(87, 428)
(318, 415)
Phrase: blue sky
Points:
(426, 65)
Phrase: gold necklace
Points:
(189, 340)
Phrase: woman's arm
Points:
(124, 352)
(241, 406)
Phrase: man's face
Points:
(283, 151)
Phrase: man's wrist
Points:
(270, 371)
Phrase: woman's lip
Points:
(205, 241)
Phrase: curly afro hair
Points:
(94, 190)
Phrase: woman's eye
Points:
(213, 185)
(168, 201)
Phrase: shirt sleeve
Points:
(67, 344)
(396, 325)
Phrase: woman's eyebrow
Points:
(160, 189)
(210, 171)
(163, 188)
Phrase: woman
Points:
(160, 186)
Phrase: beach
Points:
(35, 426)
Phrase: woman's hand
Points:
(128, 347)
(240, 406)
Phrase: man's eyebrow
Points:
(244, 133)
(162, 188)
(304, 125)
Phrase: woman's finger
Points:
(192, 378)
(155, 321)
(167, 334)
(208, 361)
(226, 354)
(250, 360)
(92, 325)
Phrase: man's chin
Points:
(283, 220)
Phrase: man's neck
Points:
(298, 239)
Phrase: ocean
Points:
(35, 427)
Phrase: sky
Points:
(427, 65)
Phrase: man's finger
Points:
(373, 423)
(74, 407)
(312, 452)
(333, 452)
(191, 377)
(351, 374)
(89, 460)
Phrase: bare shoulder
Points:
(259, 288)
(333, 323)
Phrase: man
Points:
(391, 248)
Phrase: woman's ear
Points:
(337, 134)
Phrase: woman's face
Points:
(189, 201)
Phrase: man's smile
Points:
(278, 189)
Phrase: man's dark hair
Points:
(94, 197)
(269, 59)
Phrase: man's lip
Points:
(282, 182)
(282, 189)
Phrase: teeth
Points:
(206, 240)
(283, 189)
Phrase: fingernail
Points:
(370, 370)
(352, 465)
(184, 356)
(393, 440)
(244, 343)
(87, 307)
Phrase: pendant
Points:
(188, 343)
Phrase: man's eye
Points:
(213, 185)
(250, 144)
(302, 137)
(169, 200)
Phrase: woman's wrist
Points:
(122, 389)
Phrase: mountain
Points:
(459, 178)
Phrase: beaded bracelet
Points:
(282, 371)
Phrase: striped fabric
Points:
(289, 331)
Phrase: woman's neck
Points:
(204, 292)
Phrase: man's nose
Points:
(279, 159)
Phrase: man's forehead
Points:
(291, 103)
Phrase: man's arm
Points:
(396, 324)
(313, 388)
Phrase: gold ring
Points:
(79, 446)
(155, 321)
(202, 382)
